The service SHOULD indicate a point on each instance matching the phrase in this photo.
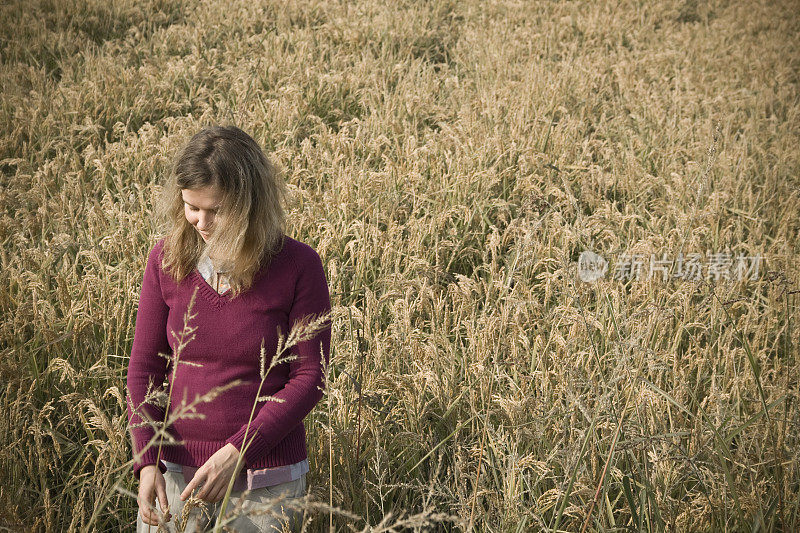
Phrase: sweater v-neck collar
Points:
(210, 293)
(217, 299)
(220, 300)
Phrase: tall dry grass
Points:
(449, 161)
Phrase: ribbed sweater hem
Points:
(290, 450)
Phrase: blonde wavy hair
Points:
(252, 221)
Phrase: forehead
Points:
(204, 198)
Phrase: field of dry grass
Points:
(449, 161)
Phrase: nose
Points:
(204, 221)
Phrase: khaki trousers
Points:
(260, 509)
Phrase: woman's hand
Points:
(214, 475)
(152, 484)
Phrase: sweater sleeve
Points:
(146, 366)
(304, 388)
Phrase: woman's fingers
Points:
(218, 494)
(149, 482)
(212, 478)
(213, 489)
(201, 482)
(148, 514)
(210, 489)
(203, 493)
(190, 487)
(161, 491)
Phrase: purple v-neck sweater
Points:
(227, 338)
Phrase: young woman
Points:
(225, 245)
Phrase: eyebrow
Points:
(191, 205)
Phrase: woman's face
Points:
(200, 207)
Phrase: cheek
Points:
(189, 216)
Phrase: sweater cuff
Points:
(257, 448)
(149, 458)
